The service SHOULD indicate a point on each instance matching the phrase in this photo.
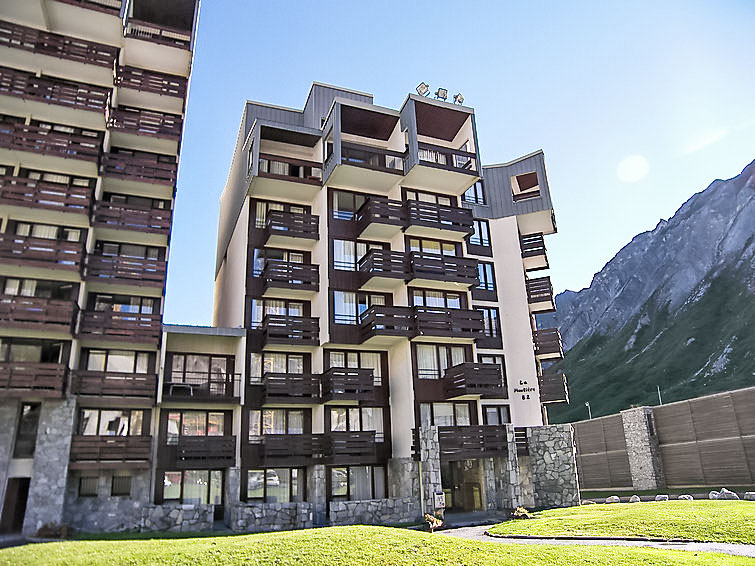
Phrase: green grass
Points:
(344, 545)
(709, 521)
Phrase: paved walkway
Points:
(478, 533)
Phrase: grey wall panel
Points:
(497, 179)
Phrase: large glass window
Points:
(136, 251)
(433, 360)
(445, 414)
(481, 235)
(346, 204)
(118, 361)
(261, 255)
(432, 247)
(124, 304)
(495, 359)
(496, 414)
(275, 307)
(194, 423)
(486, 275)
(31, 350)
(423, 196)
(111, 422)
(276, 485)
(356, 419)
(357, 483)
(437, 299)
(349, 306)
(347, 253)
(262, 208)
(475, 194)
(193, 486)
(491, 321)
(26, 431)
(276, 362)
(277, 421)
(352, 359)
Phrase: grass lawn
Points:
(343, 546)
(709, 521)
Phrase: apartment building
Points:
(92, 102)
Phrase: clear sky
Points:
(637, 105)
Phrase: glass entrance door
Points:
(461, 485)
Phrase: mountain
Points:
(675, 308)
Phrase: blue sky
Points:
(637, 105)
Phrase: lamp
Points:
(458, 98)
(442, 94)
(423, 89)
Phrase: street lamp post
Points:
(589, 412)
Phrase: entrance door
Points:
(14, 507)
(461, 484)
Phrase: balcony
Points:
(292, 230)
(369, 167)
(39, 140)
(463, 324)
(345, 448)
(430, 220)
(280, 176)
(533, 252)
(223, 388)
(383, 270)
(382, 325)
(292, 280)
(284, 450)
(140, 218)
(553, 386)
(121, 326)
(472, 442)
(108, 6)
(32, 313)
(110, 452)
(201, 452)
(146, 130)
(540, 295)
(126, 270)
(348, 384)
(447, 272)
(149, 45)
(26, 251)
(150, 89)
(35, 379)
(294, 330)
(470, 378)
(380, 218)
(160, 34)
(547, 344)
(31, 193)
(443, 169)
(293, 388)
(114, 384)
(130, 171)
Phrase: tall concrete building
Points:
(92, 101)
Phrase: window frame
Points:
(144, 421)
(301, 471)
(347, 497)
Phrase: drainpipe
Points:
(421, 489)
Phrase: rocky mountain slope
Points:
(674, 308)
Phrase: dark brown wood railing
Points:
(113, 384)
(539, 290)
(141, 218)
(439, 216)
(22, 191)
(470, 378)
(384, 263)
(287, 275)
(532, 245)
(145, 122)
(447, 158)
(150, 81)
(439, 267)
(40, 379)
(386, 321)
(155, 33)
(130, 327)
(456, 323)
(292, 225)
(471, 442)
(345, 448)
(205, 452)
(202, 387)
(282, 329)
(553, 387)
(40, 252)
(380, 210)
(547, 342)
(348, 384)
(371, 157)
(36, 139)
(110, 451)
(108, 6)
(286, 449)
(290, 169)
(126, 270)
(140, 169)
(28, 86)
(290, 388)
(36, 313)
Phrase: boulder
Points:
(634, 499)
(713, 495)
(749, 496)
(686, 497)
(613, 499)
(661, 497)
(726, 494)
(587, 502)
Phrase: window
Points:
(278, 421)
(432, 246)
(123, 304)
(423, 196)
(347, 253)
(500, 361)
(262, 208)
(346, 204)
(194, 486)
(120, 486)
(433, 360)
(475, 194)
(111, 422)
(276, 362)
(30, 350)
(445, 414)
(275, 307)
(200, 369)
(115, 249)
(194, 423)
(357, 419)
(118, 361)
(491, 321)
(88, 486)
(357, 483)
(348, 306)
(26, 432)
(481, 235)
(525, 186)
(437, 299)
(352, 359)
(276, 485)
(262, 255)
(36, 288)
(496, 414)
(486, 275)
(48, 232)
(56, 178)
(136, 201)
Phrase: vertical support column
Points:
(47, 490)
(231, 496)
(8, 423)
(317, 493)
(403, 478)
(512, 497)
(430, 462)
(643, 451)
(554, 465)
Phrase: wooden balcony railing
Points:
(439, 216)
(36, 313)
(371, 157)
(145, 122)
(290, 169)
(56, 45)
(447, 158)
(378, 210)
(36, 378)
(126, 270)
(548, 342)
(140, 169)
(121, 326)
(452, 323)
(292, 225)
(470, 378)
(22, 191)
(539, 290)
(285, 450)
(290, 388)
(202, 387)
(137, 217)
(203, 452)
(40, 252)
(103, 452)
(163, 35)
(343, 448)
(384, 263)
(150, 81)
(553, 386)
(286, 275)
(472, 442)
(108, 6)
(386, 321)
(453, 269)
(36, 139)
(282, 329)
(532, 245)
(348, 384)
(28, 86)
(113, 384)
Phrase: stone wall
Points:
(403, 478)
(106, 513)
(553, 464)
(176, 517)
(643, 451)
(430, 465)
(317, 494)
(392, 511)
(45, 505)
(8, 422)
(259, 517)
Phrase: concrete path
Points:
(478, 533)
